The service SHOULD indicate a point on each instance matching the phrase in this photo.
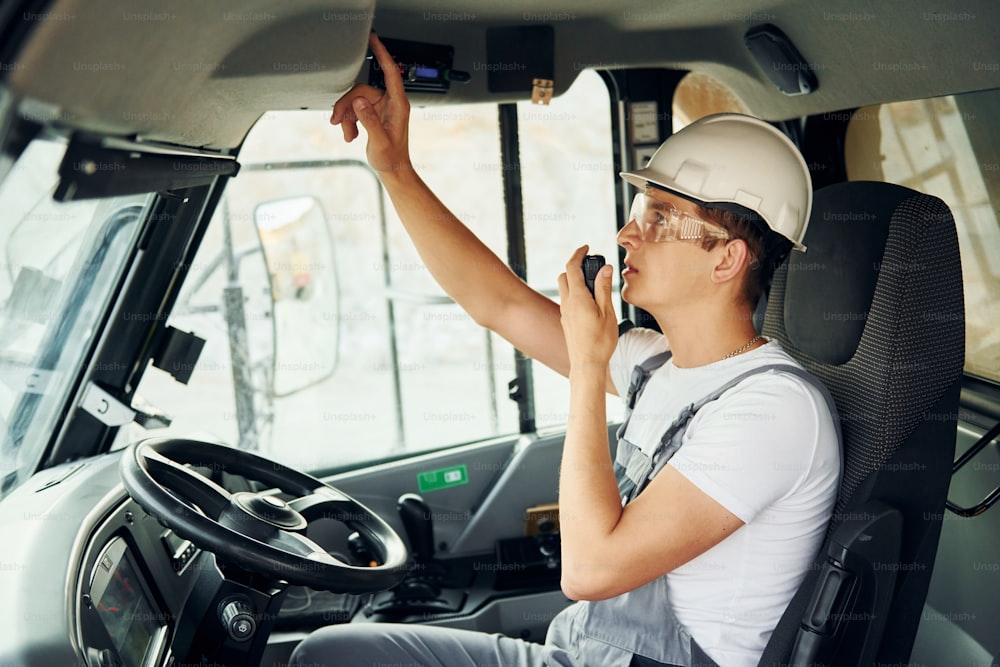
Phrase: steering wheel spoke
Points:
(301, 545)
(326, 503)
(188, 484)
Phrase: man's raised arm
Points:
(468, 271)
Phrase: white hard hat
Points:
(731, 158)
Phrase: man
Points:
(687, 548)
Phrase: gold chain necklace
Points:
(746, 346)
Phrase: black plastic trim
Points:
(780, 60)
(969, 454)
(980, 401)
(521, 388)
(636, 85)
(17, 21)
(176, 226)
(94, 168)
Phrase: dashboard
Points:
(92, 579)
(116, 599)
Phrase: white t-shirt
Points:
(767, 451)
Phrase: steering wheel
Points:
(258, 531)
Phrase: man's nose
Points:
(629, 235)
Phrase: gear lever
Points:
(425, 589)
(416, 517)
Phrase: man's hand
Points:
(384, 114)
(589, 323)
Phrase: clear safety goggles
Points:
(659, 221)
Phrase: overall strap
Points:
(626, 472)
(671, 440)
(640, 376)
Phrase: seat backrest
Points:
(875, 309)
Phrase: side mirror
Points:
(300, 257)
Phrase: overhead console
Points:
(519, 60)
(425, 68)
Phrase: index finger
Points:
(574, 266)
(390, 69)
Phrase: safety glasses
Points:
(660, 221)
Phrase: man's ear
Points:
(734, 256)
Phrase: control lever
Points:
(361, 552)
(416, 518)
(429, 587)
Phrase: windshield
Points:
(327, 342)
(59, 263)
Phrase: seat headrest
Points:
(829, 288)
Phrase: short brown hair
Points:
(767, 249)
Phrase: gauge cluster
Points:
(133, 581)
(134, 623)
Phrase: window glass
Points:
(328, 342)
(568, 184)
(452, 390)
(61, 263)
(347, 352)
(947, 147)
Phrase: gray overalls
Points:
(654, 636)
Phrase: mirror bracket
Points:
(178, 353)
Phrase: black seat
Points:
(875, 309)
